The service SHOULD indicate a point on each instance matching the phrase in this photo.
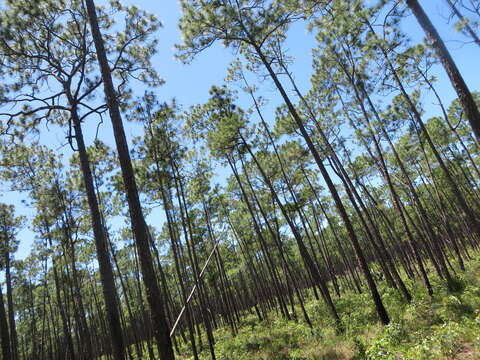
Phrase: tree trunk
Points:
(105, 266)
(11, 312)
(460, 17)
(381, 311)
(4, 334)
(466, 99)
(139, 226)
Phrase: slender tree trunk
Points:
(105, 266)
(4, 334)
(381, 311)
(133, 323)
(466, 99)
(175, 241)
(188, 232)
(60, 301)
(139, 226)
(462, 19)
(270, 263)
(309, 263)
(11, 312)
(278, 243)
(67, 224)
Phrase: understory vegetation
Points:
(446, 326)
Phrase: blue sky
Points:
(189, 84)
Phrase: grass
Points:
(445, 327)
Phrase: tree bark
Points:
(4, 334)
(105, 265)
(139, 226)
(466, 99)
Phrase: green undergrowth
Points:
(445, 327)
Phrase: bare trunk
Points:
(463, 92)
(139, 226)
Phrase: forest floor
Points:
(445, 327)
